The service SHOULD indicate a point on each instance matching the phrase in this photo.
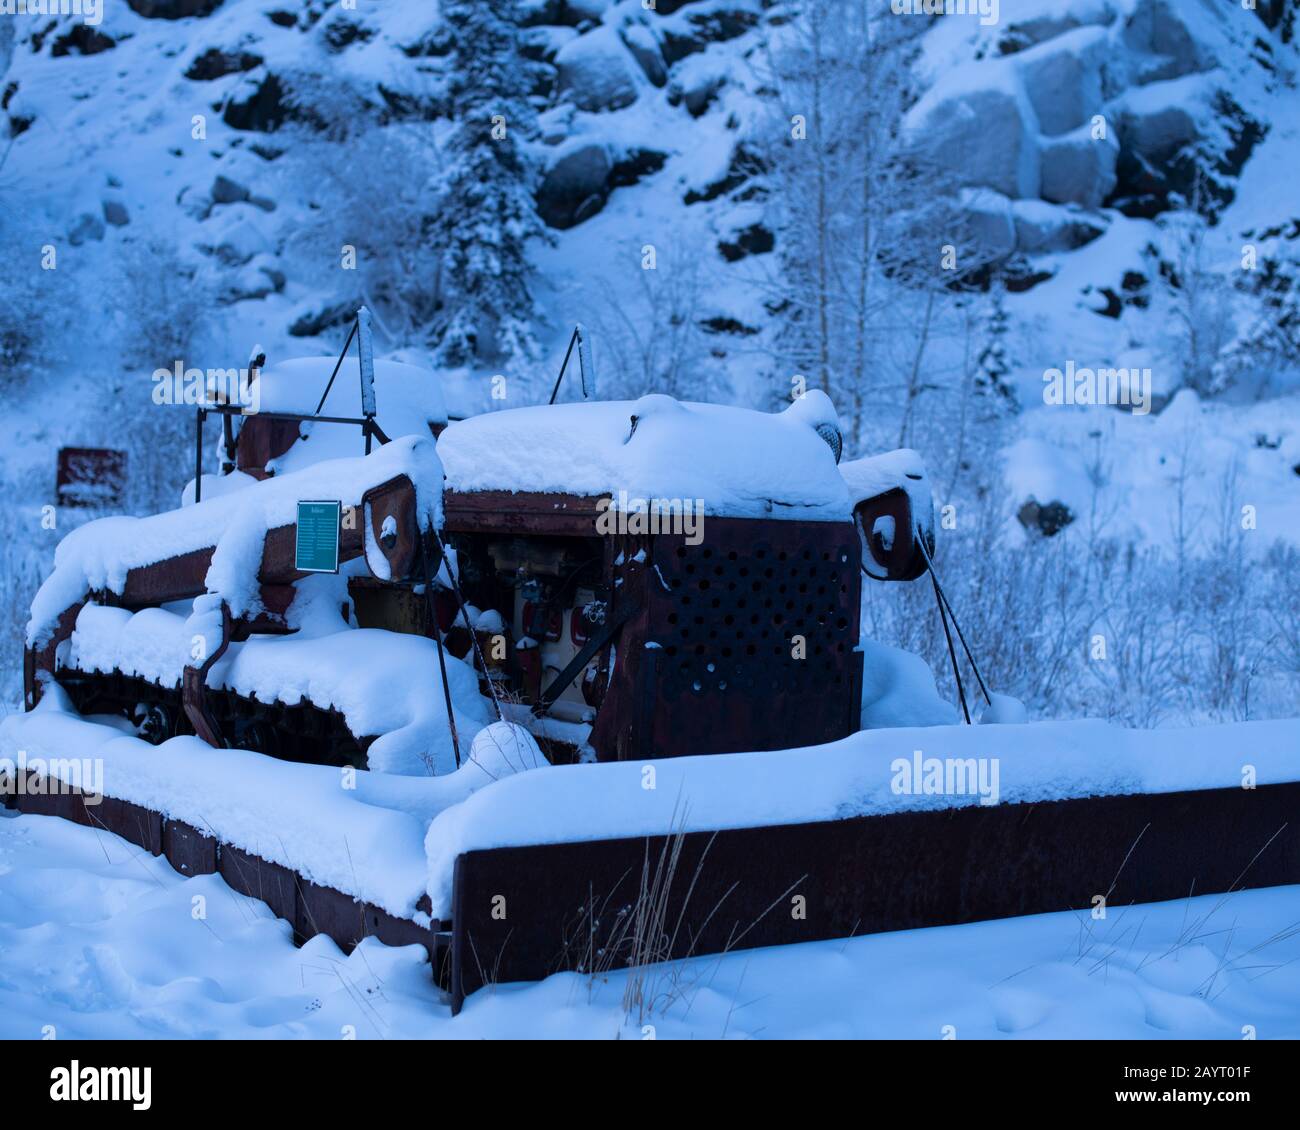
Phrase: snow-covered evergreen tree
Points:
(487, 216)
(994, 395)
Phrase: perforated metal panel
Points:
(756, 629)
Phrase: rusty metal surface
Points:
(188, 850)
(182, 576)
(865, 875)
(66, 806)
(132, 822)
(90, 476)
(396, 498)
(743, 642)
(304, 732)
(194, 689)
(262, 439)
(258, 878)
(903, 559)
(394, 608)
(176, 578)
(38, 662)
(324, 910)
(310, 908)
(502, 511)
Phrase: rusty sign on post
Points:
(90, 476)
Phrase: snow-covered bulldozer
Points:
(424, 612)
(628, 580)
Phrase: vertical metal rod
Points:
(366, 362)
(337, 364)
(198, 454)
(473, 636)
(952, 653)
(442, 658)
(955, 623)
(586, 366)
(366, 368)
(564, 365)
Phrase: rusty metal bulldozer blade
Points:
(523, 913)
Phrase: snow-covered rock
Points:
(1062, 79)
(1159, 41)
(697, 80)
(1155, 70)
(86, 227)
(1025, 27)
(598, 72)
(173, 9)
(587, 9)
(992, 230)
(1078, 168)
(240, 237)
(543, 43)
(227, 191)
(1157, 121)
(254, 279)
(563, 12)
(641, 41)
(575, 185)
(115, 213)
(257, 104)
(717, 21)
(1044, 227)
(953, 122)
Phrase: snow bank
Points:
(737, 461)
(359, 832)
(98, 555)
(854, 777)
(1187, 456)
(898, 690)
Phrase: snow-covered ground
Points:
(102, 940)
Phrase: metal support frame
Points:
(369, 426)
(586, 368)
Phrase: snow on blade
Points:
(1039, 761)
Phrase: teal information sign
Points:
(316, 548)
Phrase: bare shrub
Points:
(376, 194)
(1214, 636)
(654, 342)
(25, 558)
(40, 290)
